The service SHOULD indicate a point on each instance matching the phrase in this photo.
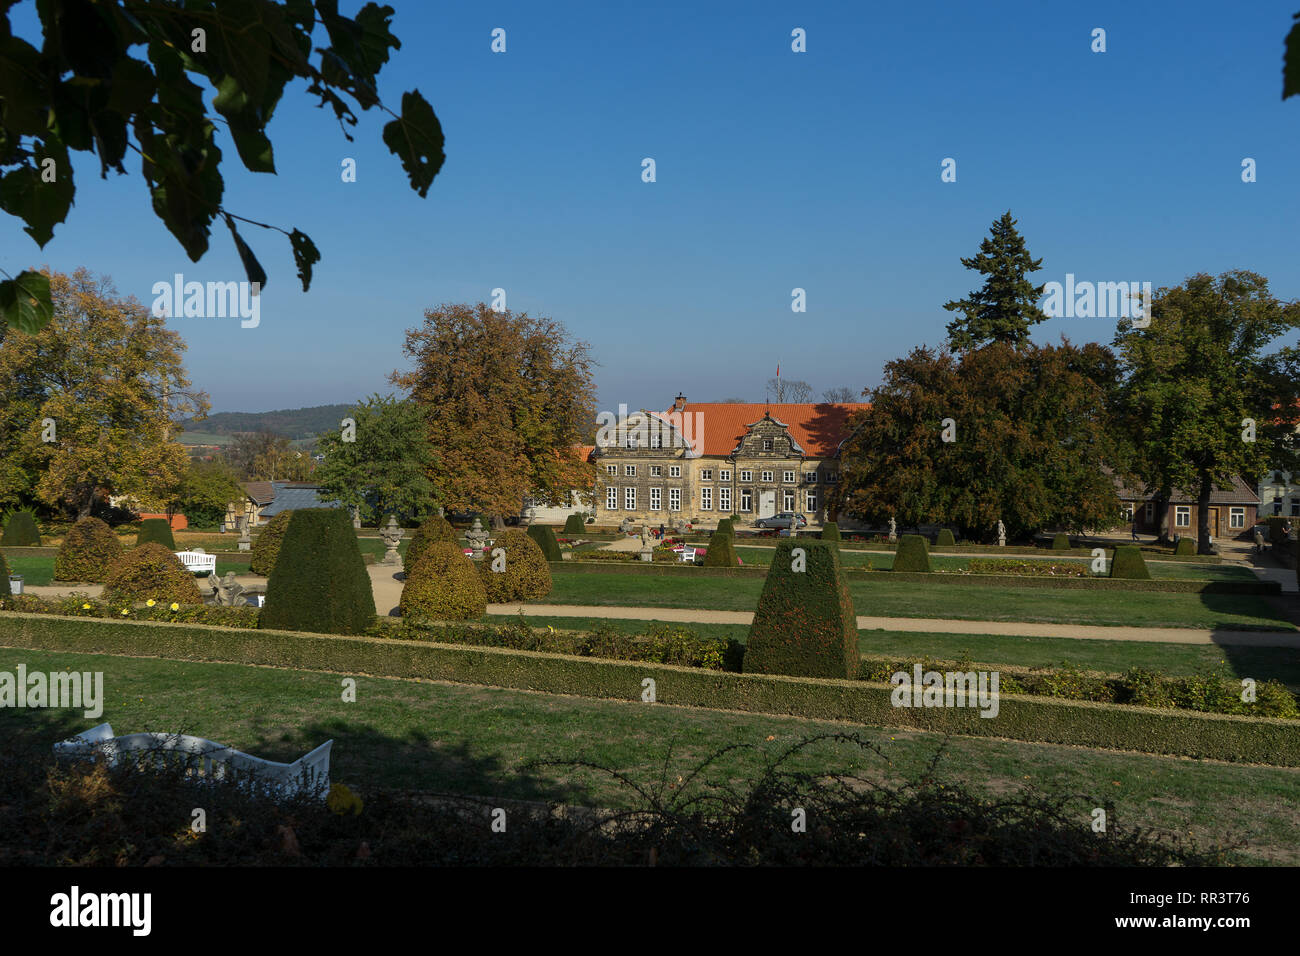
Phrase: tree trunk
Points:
(1203, 514)
(1162, 516)
(85, 504)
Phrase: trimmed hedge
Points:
(1269, 741)
(444, 584)
(1061, 541)
(5, 590)
(830, 531)
(721, 552)
(319, 582)
(726, 525)
(266, 547)
(150, 571)
(944, 539)
(21, 531)
(527, 575)
(157, 530)
(544, 535)
(88, 553)
(1129, 563)
(573, 525)
(804, 624)
(913, 554)
(432, 530)
(1185, 546)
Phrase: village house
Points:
(263, 500)
(705, 461)
(1234, 510)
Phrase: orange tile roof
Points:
(819, 428)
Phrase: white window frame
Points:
(746, 500)
(656, 471)
(611, 470)
(706, 499)
(629, 471)
(656, 499)
(674, 471)
(1181, 512)
(787, 500)
(629, 498)
(810, 477)
(706, 474)
(788, 478)
(768, 444)
(767, 476)
(747, 475)
(1237, 518)
(724, 499)
(810, 499)
(611, 498)
(724, 474)
(674, 499)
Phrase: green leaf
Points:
(1291, 62)
(25, 302)
(305, 255)
(252, 268)
(416, 138)
(26, 193)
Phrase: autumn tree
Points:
(1006, 306)
(116, 77)
(266, 456)
(1206, 387)
(380, 465)
(507, 396)
(1027, 429)
(205, 492)
(92, 400)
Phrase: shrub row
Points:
(80, 605)
(1075, 723)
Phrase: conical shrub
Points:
(1185, 547)
(1129, 563)
(913, 553)
(444, 584)
(157, 530)
(544, 535)
(830, 531)
(804, 624)
(526, 575)
(88, 553)
(721, 551)
(266, 546)
(150, 571)
(945, 539)
(1061, 541)
(573, 524)
(21, 531)
(319, 582)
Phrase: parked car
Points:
(786, 519)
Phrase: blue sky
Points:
(775, 170)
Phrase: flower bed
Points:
(1012, 566)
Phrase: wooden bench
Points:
(204, 759)
(196, 562)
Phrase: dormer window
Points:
(767, 444)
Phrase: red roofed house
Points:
(705, 461)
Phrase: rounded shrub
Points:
(444, 584)
(804, 625)
(88, 553)
(544, 535)
(319, 582)
(526, 574)
(432, 530)
(573, 524)
(267, 546)
(1129, 563)
(21, 531)
(150, 571)
(1185, 546)
(944, 539)
(1061, 541)
(830, 531)
(158, 530)
(721, 551)
(913, 553)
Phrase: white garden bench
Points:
(206, 759)
(688, 555)
(196, 562)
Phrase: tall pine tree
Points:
(1005, 308)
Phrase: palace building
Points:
(705, 461)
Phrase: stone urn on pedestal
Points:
(477, 538)
(392, 537)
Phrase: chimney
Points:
(679, 403)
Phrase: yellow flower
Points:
(150, 603)
(342, 801)
(85, 607)
(175, 606)
(125, 612)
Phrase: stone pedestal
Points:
(647, 554)
(392, 537)
(477, 538)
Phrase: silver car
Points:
(786, 519)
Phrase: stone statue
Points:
(645, 536)
(356, 517)
(245, 539)
(893, 529)
(1002, 534)
(392, 537)
(228, 592)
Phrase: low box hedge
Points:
(1169, 585)
(1082, 724)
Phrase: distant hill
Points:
(298, 423)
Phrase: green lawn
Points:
(1114, 657)
(884, 561)
(481, 741)
(950, 598)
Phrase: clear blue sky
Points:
(775, 170)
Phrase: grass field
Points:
(884, 561)
(480, 741)
(941, 598)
